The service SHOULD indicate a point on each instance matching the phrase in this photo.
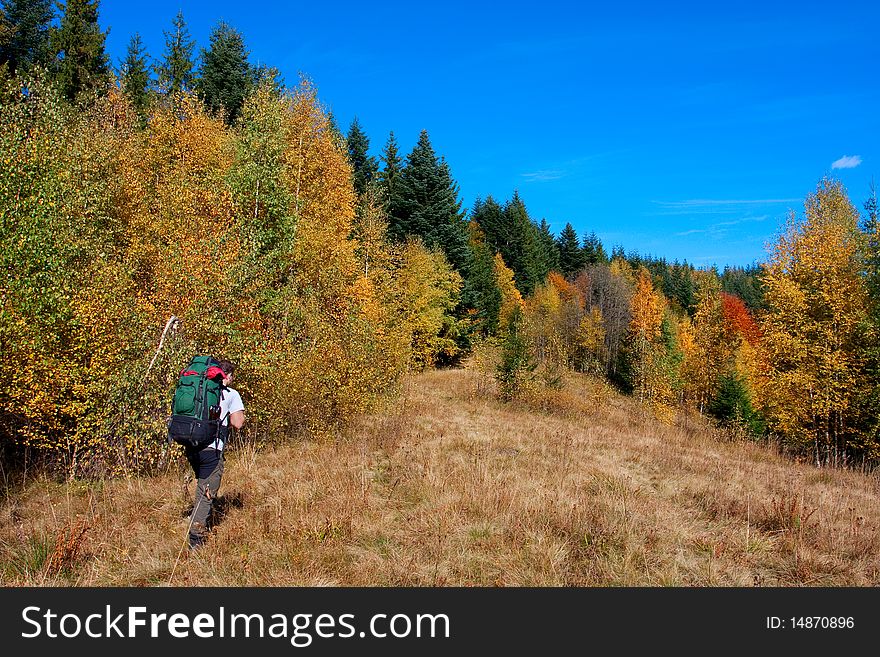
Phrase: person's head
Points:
(228, 368)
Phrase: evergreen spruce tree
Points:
(732, 405)
(175, 71)
(136, 77)
(635, 259)
(81, 66)
(872, 223)
(27, 26)
(225, 75)
(870, 395)
(660, 273)
(571, 257)
(335, 132)
(744, 282)
(548, 248)
(389, 177)
(480, 290)
(871, 230)
(594, 252)
(510, 232)
(363, 166)
(686, 289)
(6, 32)
(452, 235)
(521, 252)
(428, 205)
(490, 217)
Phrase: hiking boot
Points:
(197, 535)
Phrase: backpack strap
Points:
(220, 425)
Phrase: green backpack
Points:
(195, 409)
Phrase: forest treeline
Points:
(200, 186)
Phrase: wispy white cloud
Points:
(738, 209)
(847, 162)
(719, 229)
(544, 175)
(762, 217)
(706, 202)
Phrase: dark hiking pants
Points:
(207, 464)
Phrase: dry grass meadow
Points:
(451, 487)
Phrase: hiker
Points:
(207, 461)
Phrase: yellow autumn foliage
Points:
(812, 330)
(511, 299)
(248, 235)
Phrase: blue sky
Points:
(680, 130)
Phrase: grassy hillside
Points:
(582, 487)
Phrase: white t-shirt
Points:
(230, 402)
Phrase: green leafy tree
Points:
(59, 253)
(363, 166)
(136, 77)
(263, 202)
(175, 71)
(78, 43)
(28, 26)
(517, 365)
(225, 75)
(271, 76)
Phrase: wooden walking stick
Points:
(171, 324)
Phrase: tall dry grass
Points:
(575, 487)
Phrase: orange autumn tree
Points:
(738, 321)
(743, 333)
